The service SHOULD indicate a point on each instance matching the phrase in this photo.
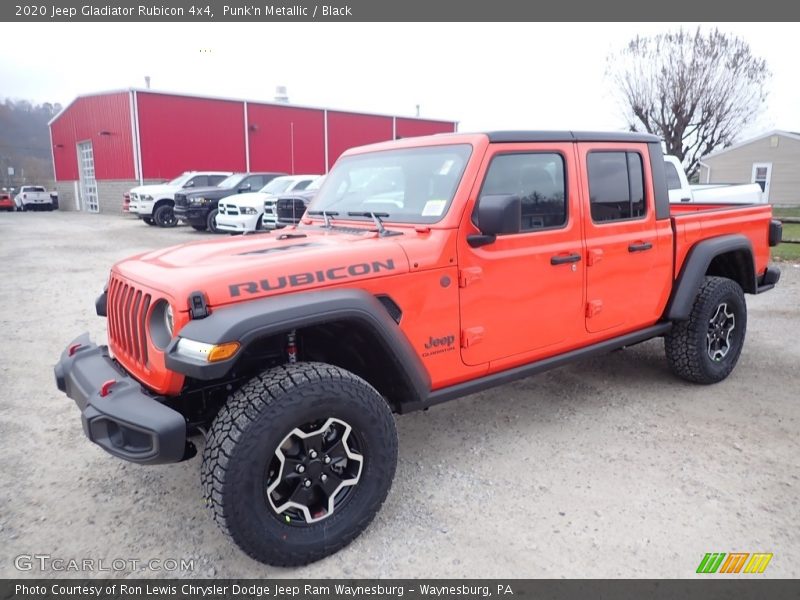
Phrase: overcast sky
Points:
(487, 76)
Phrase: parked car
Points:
(243, 213)
(6, 202)
(153, 204)
(680, 190)
(498, 256)
(288, 209)
(33, 197)
(199, 207)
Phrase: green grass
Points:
(793, 211)
(791, 231)
(789, 252)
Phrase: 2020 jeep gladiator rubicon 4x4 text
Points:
(425, 269)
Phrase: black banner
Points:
(390, 589)
(398, 10)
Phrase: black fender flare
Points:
(695, 268)
(255, 319)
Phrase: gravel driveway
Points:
(608, 468)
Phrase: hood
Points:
(240, 268)
(207, 192)
(156, 188)
(302, 194)
(255, 199)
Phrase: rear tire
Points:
(259, 425)
(199, 227)
(164, 216)
(706, 348)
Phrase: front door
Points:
(628, 272)
(523, 292)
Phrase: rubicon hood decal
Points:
(303, 278)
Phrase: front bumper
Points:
(192, 215)
(126, 422)
(237, 223)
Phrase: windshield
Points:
(414, 185)
(231, 180)
(316, 184)
(180, 179)
(276, 186)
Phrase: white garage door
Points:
(88, 184)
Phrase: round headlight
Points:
(168, 322)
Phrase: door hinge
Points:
(593, 307)
(594, 256)
(471, 336)
(468, 275)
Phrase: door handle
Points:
(561, 259)
(640, 247)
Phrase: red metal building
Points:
(106, 143)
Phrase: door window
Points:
(538, 179)
(616, 186)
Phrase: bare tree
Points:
(695, 90)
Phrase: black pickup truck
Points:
(198, 207)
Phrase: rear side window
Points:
(616, 186)
(673, 180)
(538, 179)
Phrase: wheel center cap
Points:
(313, 468)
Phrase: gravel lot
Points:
(607, 468)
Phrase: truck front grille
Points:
(180, 200)
(128, 308)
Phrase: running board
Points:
(495, 379)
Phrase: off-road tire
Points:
(149, 220)
(164, 216)
(211, 221)
(245, 435)
(685, 344)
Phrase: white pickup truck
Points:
(153, 203)
(680, 191)
(243, 213)
(33, 197)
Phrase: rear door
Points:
(523, 293)
(627, 270)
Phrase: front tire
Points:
(298, 462)
(164, 216)
(706, 348)
(211, 221)
(148, 220)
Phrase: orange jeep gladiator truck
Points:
(425, 269)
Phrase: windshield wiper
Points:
(326, 214)
(376, 218)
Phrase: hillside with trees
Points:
(25, 142)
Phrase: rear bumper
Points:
(768, 280)
(126, 422)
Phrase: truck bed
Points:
(694, 222)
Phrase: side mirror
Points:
(244, 188)
(497, 214)
(189, 184)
